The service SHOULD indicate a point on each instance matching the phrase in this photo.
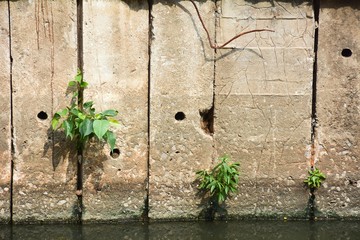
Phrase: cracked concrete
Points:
(181, 104)
(263, 103)
(5, 113)
(44, 59)
(115, 188)
(179, 83)
(338, 102)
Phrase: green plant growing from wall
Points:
(315, 179)
(81, 122)
(220, 181)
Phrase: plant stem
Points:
(215, 46)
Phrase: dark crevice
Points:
(314, 120)
(80, 155)
(207, 120)
(145, 213)
(311, 209)
(11, 116)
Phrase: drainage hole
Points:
(346, 52)
(42, 115)
(115, 153)
(180, 116)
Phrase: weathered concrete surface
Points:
(263, 104)
(116, 67)
(338, 103)
(5, 110)
(44, 53)
(181, 82)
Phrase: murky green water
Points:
(247, 230)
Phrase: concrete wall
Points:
(181, 105)
(338, 108)
(5, 112)
(181, 85)
(44, 58)
(117, 71)
(263, 103)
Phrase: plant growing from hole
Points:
(315, 178)
(81, 122)
(220, 181)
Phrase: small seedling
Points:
(80, 121)
(222, 180)
(315, 178)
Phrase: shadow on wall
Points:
(355, 4)
(61, 149)
(273, 3)
(144, 4)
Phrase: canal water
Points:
(247, 230)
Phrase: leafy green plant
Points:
(222, 180)
(80, 120)
(315, 178)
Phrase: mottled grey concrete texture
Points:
(43, 39)
(338, 102)
(181, 105)
(5, 111)
(263, 104)
(116, 66)
(182, 69)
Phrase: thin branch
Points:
(214, 46)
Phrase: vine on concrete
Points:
(214, 45)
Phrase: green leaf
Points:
(74, 111)
(83, 84)
(100, 128)
(71, 83)
(110, 113)
(81, 115)
(68, 128)
(86, 128)
(212, 188)
(63, 112)
(111, 139)
(55, 121)
(113, 121)
(78, 77)
(88, 105)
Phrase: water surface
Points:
(247, 230)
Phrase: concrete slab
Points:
(5, 113)
(182, 70)
(337, 104)
(116, 66)
(263, 105)
(44, 53)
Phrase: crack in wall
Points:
(12, 134)
(145, 213)
(314, 120)
(80, 155)
(312, 203)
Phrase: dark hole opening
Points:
(180, 116)
(42, 115)
(207, 120)
(115, 153)
(346, 52)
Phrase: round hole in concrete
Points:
(180, 116)
(115, 153)
(346, 52)
(42, 115)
